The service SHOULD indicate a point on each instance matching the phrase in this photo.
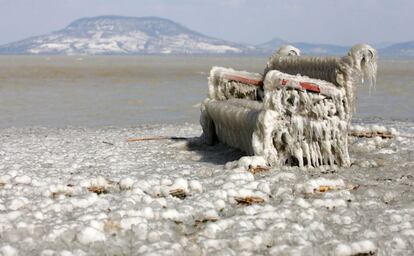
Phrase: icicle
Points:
(306, 153)
(301, 117)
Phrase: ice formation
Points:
(298, 114)
(163, 197)
(287, 50)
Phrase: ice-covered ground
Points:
(82, 191)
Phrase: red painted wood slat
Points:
(244, 80)
(310, 87)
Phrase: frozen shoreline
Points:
(50, 179)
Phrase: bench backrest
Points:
(358, 67)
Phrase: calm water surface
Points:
(127, 91)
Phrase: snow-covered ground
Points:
(87, 191)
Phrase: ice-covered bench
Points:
(298, 113)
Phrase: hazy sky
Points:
(251, 21)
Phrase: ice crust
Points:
(358, 67)
(297, 113)
(47, 207)
(220, 87)
(289, 127)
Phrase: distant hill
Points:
(305, 48)
(401, 50)
(321, 49)
(110, 35)
(272, 44)
(124, 35)
(387, 50)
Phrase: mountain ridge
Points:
(125, 35)
(111, 34)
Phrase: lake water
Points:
(63, 91)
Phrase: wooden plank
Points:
(244, 80)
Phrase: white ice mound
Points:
(365, 247)
(8, 250)
(90, 235)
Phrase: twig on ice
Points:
(155, 138)
(371, 134)
(179, 193)
(258, 169)
(97, 190)
(249, 200)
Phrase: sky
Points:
(342, 22)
